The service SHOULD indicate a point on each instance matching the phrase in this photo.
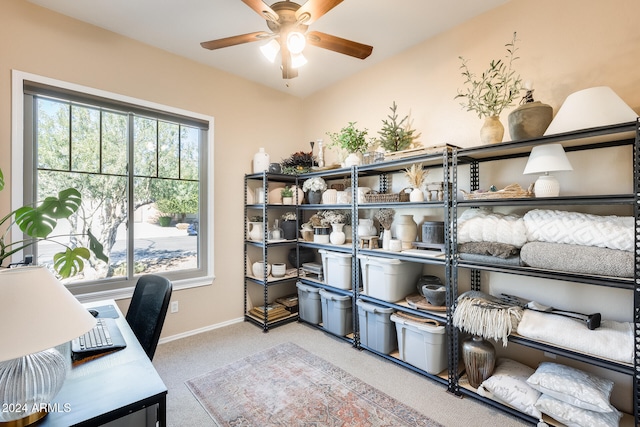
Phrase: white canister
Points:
(330, 197)
(261, 161)
(395, 245)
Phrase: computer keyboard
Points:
(97, 337)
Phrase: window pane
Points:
(53, 134)
(115, 133)
(85, 139)
(189, 153)
(145, 134)
(168, 150)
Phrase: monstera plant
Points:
(38, 221)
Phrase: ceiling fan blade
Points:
(340, 45)
(263, 10)
(234, 40)
(314, 9)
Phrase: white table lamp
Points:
(38, 314)
(588, 108)
(544, 159)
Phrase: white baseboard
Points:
(200, 330)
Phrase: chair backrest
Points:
(148, 310)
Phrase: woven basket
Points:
(402, 196)
(513, 191)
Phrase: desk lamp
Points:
(544, 159)
(38, 313)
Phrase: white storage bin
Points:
(309, 306)
(337, 314)
(422, 345)
(336, 267)
(377, 331)
(389, 279)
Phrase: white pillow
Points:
(573, 386)
(573, 416)
(508, 384)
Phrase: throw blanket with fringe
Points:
(554, 226)
(485, 315)
(612, 340)
(479, 225)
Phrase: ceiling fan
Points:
(289, 22)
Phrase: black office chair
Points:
(148, 309)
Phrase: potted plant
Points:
(492, 92)
(38, 221)
(287, 195)
(394, 135)
(416, 175)
(385, 218)
(297, 163)
(314, 187)
(352, 140)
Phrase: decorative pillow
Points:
(508, 384)
(573, 416)
(573, 386)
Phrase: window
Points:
(143, 176)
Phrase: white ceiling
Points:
(178, 26)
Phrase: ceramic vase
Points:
(479, 357)
(337, 236)
(314, 197)
(416, 195)
(366, 228)
(529, 120)
(492, 130)
(261, 161)
(321, 234)
(386, 238)
(330, 197)
(255, 231)
(406, 230)
(258, 270)
(289, 229)
(353, 159)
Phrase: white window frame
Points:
(17, 168)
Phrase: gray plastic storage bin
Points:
(421, 344)
(309, 308)
(337, 314)
(376, 329)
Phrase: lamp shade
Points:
(588, 108)
(38, 312)
(547, 158)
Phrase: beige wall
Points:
(564, 46)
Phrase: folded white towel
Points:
(479, 225)
(612, 340)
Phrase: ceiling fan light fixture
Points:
(270, 50)
(296, 42)
(298, 60)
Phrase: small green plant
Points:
(496, 88)
(38, 221)
(286, 191)
(394, 135)
(350, 138)
(256, 218)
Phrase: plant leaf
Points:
(96, 247)
(1, 180)
(70, 262)
(65, 205)
(34, 222)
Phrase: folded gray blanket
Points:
(488, 259)
(500, 250)
(578, 259)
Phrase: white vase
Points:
(406, 230)
(352, 159)
(366, 228)
(258, 270)
(337, 236)
(330, 197)
(416, 195)
(255, 231)
(261, 161)
(386, 238)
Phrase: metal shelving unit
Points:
(627, 134)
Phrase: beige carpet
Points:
(181, 360)
(286, 385)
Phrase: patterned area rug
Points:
(288, 386)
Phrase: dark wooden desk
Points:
(109, 387)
